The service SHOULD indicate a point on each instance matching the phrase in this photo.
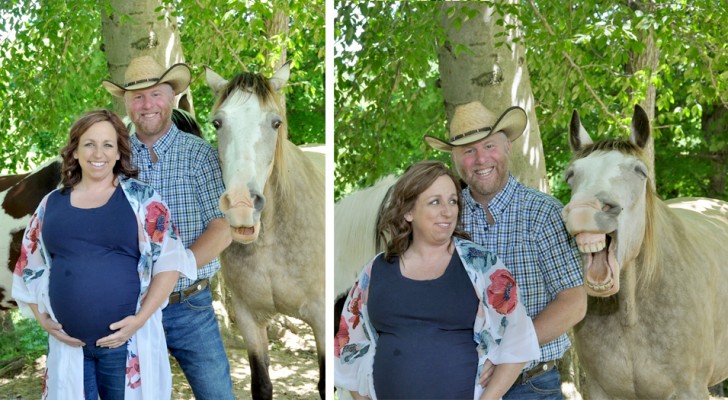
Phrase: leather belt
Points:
(193, 289)
(540, 368)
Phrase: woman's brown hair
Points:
(415, 180)
(71, 170)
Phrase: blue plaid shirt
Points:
(187, 175)
(530, 238)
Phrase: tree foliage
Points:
(386, 96)
(577, 53)
(52, 64)
(579, 62)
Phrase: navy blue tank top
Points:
(94, 255)
(425, 348)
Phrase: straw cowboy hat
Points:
(473, 122)
(144, 72)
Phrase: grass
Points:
(22, 337)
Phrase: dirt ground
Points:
(294, 370)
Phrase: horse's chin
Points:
(601, 269)
(245, 234)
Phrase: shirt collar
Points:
(160, 146)
(503, 198)
(499, 202)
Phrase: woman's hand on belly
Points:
(54, 328)
(126, 328)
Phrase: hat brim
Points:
(178, 76)
(512, 123)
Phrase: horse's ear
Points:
(184, 104)
(280, 78)
(578, 137)
(640, 127)
(216, 82)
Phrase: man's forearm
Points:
(216, 238)
(565, 311)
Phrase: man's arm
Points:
(565, 311)
(216, 238)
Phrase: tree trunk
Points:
(495, 75)
(715, 126)
(647, 62)
(277, 30)
(131, 29)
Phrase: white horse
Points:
(274, 203)
(355, 223)
(655, 271)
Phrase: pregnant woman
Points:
(99, 259)
(428, 312)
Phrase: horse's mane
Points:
(186, 122)
(648, 253)
(258, 85)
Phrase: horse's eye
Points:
(568, 175)
(641, 170)
(217, 124)
(276, 124)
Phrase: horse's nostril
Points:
(611, 208)
(258, 201)
(224, 202)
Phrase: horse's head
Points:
(251, 128)
(609, 190)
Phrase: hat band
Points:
(141, 81)
(474, 131)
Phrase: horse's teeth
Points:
(591, 242)
(591, 247)
(600, 288)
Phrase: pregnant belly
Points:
(87, 309)
(438, 366)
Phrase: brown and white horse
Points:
(656, 273)
(19, 197)
(274, 203)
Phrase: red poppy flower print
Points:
(34, 235)
(22, 262)
(132, 372)
(502, 292)
(342, 337)
(156, 221)
(355, 309)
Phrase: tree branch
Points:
(575, 66)
(227, 44)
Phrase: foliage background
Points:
(387, 96)
(52, 64)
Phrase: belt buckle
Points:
(177, 297)
(193, 289)
(539, 369)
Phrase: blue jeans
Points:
(546, 386)
(104, 372)
(193, 338)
